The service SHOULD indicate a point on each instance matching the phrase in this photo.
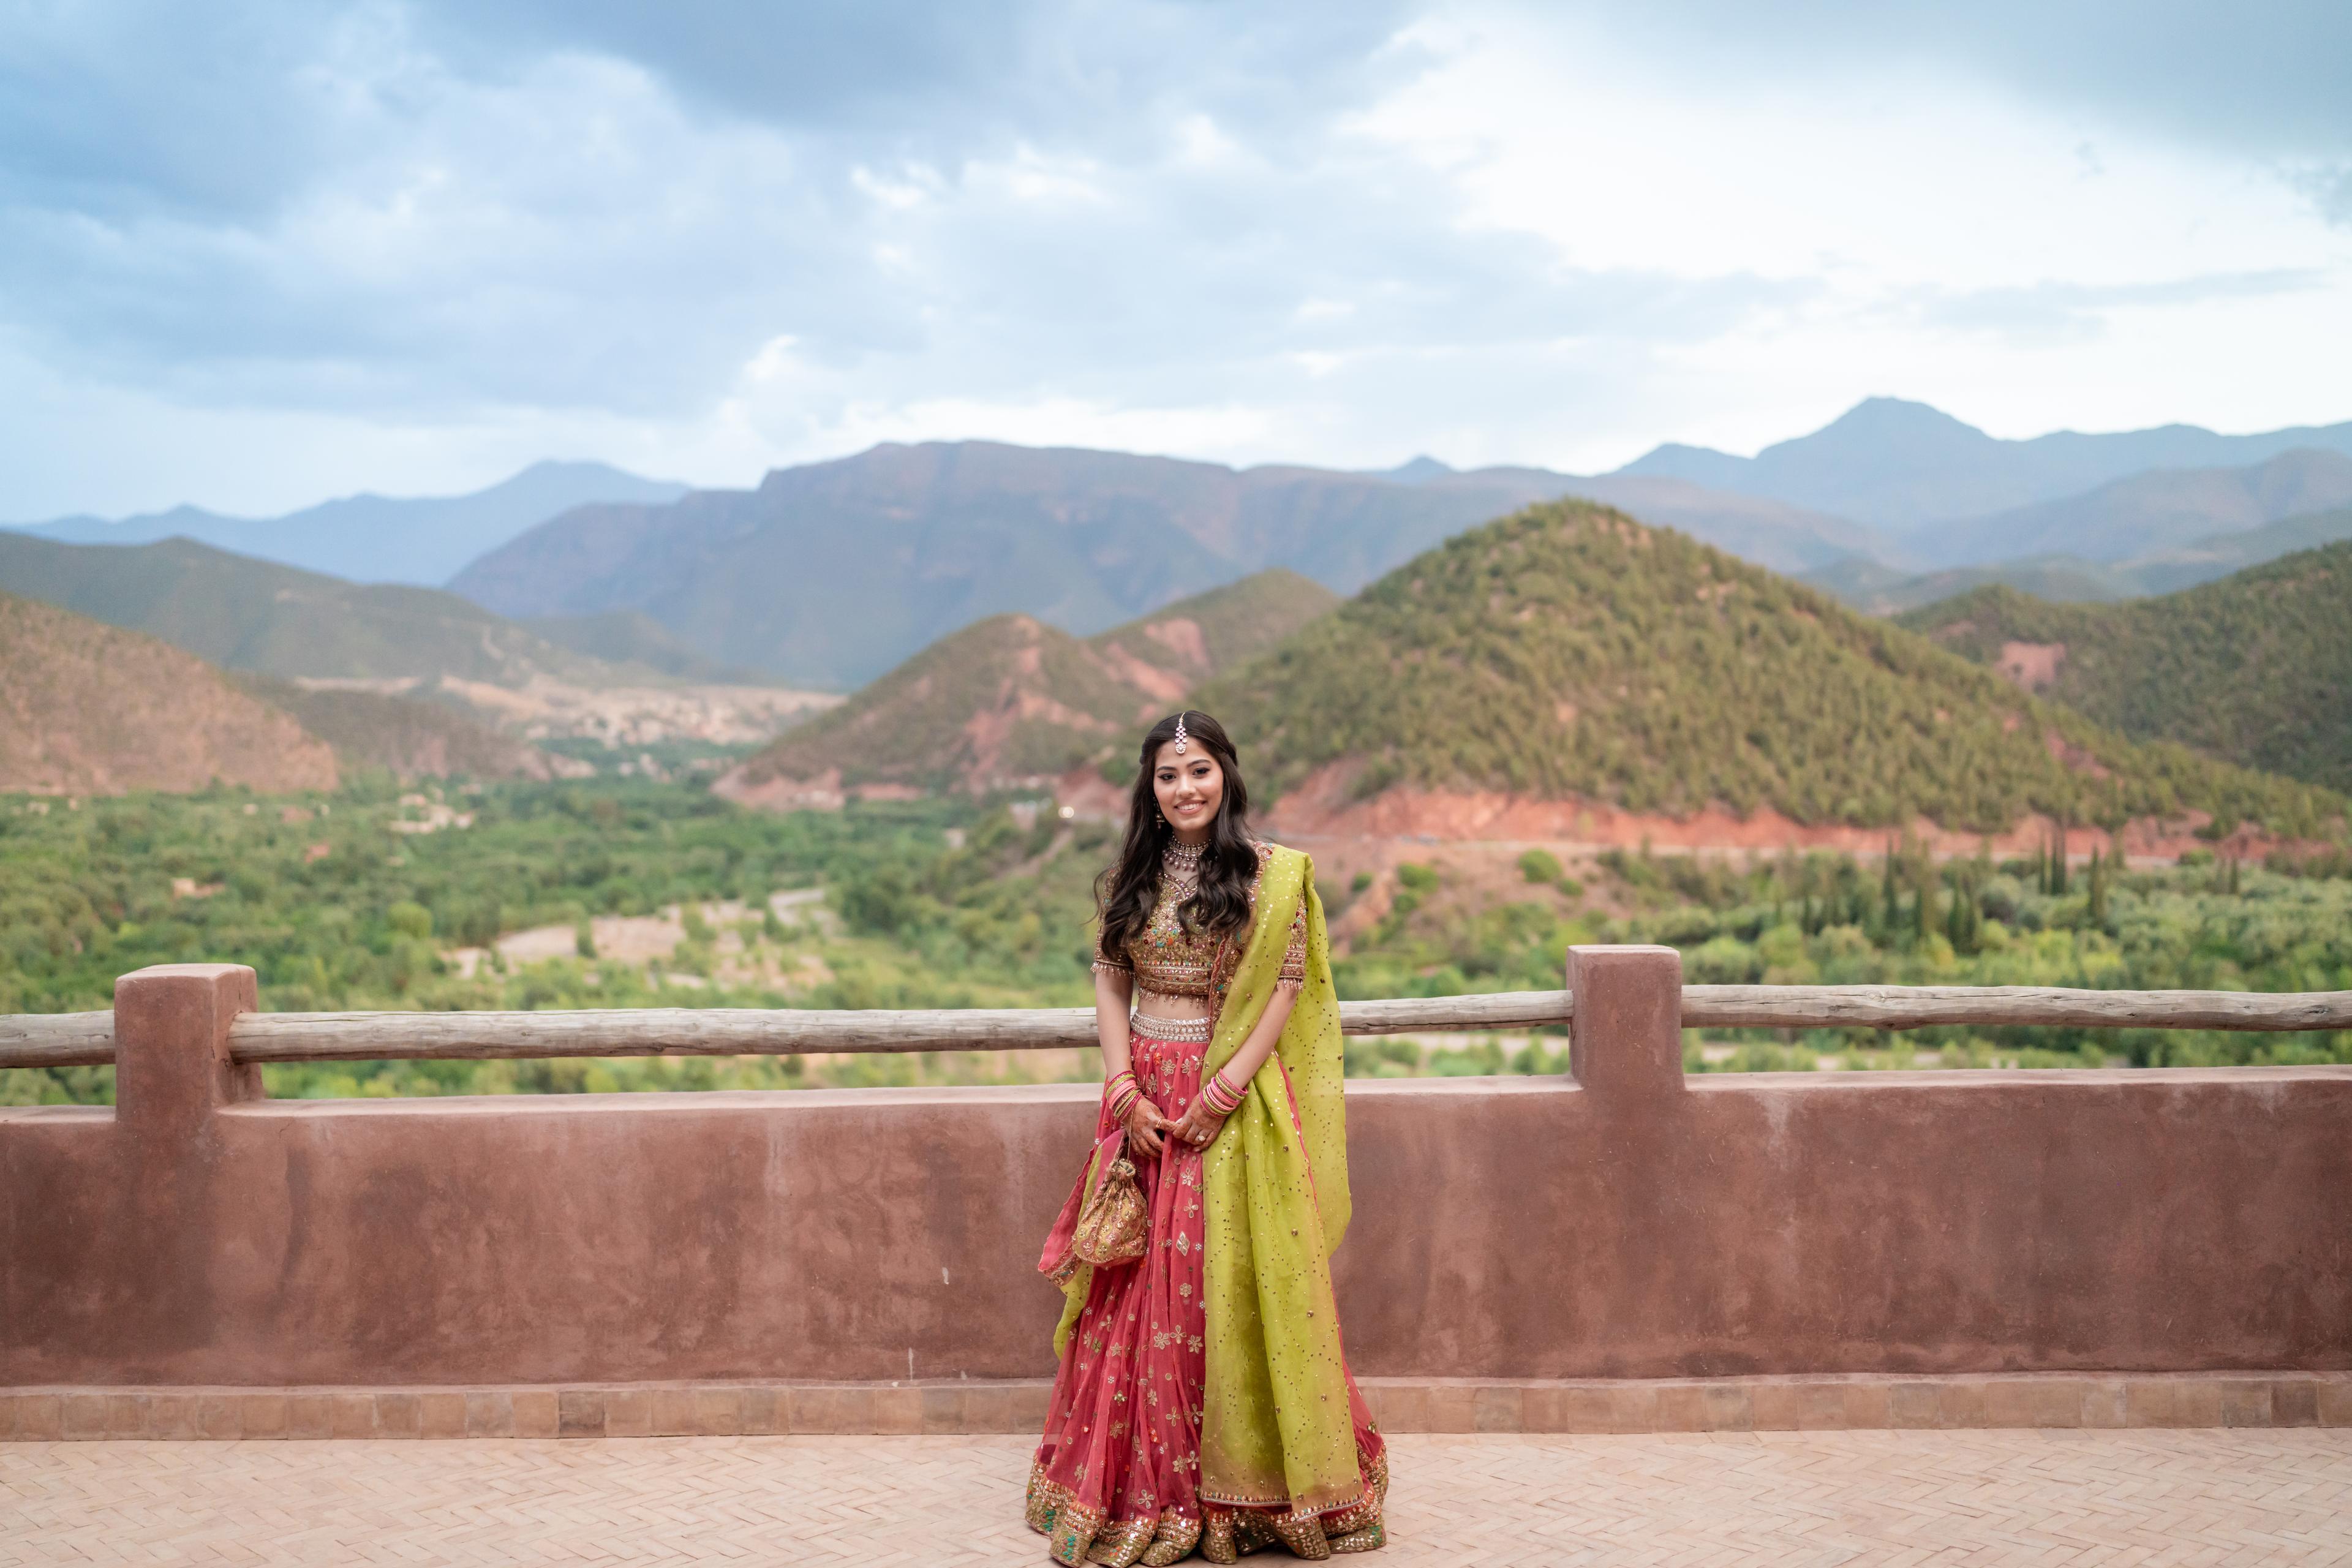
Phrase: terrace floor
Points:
(2077, 1498)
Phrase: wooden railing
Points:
(72, 1039)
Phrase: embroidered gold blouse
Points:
(1169, 961)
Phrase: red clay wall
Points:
(1624, 1225)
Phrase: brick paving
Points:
(2077, 1498)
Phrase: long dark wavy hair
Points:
(1129, 886)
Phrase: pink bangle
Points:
(1221, 1096)
(1121, 1094)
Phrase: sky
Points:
(257, 253)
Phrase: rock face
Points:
(86, 709)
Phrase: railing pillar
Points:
(172, 1066)
(1625, 1036)
(172, 1075)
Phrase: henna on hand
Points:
(1201, 1124)
(1144, 1125)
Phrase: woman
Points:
(1203, 1397)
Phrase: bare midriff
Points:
(1161, 1005)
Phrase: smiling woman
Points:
(1204, 1397)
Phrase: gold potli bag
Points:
(1113, 1226)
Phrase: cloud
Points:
(2266, 78)
(2074, 312)
(435, 240)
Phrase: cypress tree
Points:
(2058, 862)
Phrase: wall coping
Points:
(1827, 1402)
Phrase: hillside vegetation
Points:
(1567, 651)
(2256, 667)
(87, 708)
(1011, 700)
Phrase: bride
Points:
(1202, 1397)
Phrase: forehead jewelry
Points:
(1180, 737)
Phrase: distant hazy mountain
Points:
(2165, 508)
(2068, 579)
(89, 709)
(832, 573)
(632, 636)
(1904, 465)
(258, 616)
(2256, 667)
(379, 539)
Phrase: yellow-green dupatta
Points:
(1275, 1427)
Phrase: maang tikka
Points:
(1180, 736)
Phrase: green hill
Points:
(1568, 652)
(244, 614)
(1011, 700)
(2256, 667)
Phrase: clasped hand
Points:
(1146, 1125)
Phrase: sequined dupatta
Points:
(1277, 1427)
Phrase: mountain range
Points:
(1908, 468)
(832, 573)
(1526, 676)
(829, 573)
(381, 538)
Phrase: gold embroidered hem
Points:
(1230, 1531)
(1077, 1534)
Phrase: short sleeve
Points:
(1114, 963)
(1294, 957)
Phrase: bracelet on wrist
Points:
(1120, 1094)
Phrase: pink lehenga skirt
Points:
(1117, 1478)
